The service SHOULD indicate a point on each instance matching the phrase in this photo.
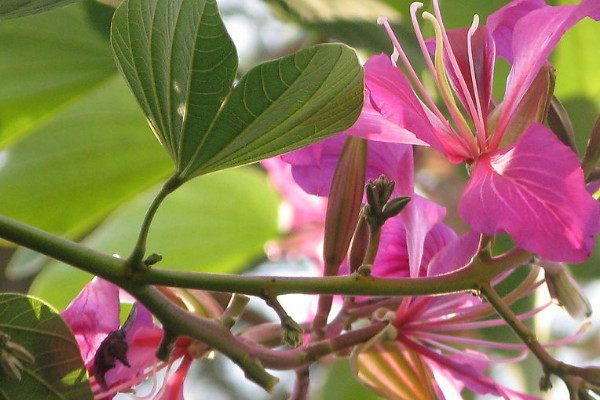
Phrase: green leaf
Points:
(282, 105)
(21, 8)
(97, 133)
(46, 62)
(181, 76)
(217, 223)
(72, 171)
(180, 84)
(58, 371)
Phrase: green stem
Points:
(89, 260)
(134, 261)
(115, 270)
(550, 365)
(209, 331)
(374, 238)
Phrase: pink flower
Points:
(119, 358)
(429, 327)
(302, 216)
(524, 180)
(313, 167)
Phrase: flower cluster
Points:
(119, 358)
(524, 181)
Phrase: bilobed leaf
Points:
(282, 105)
(180, 64)
(21, 8)
(57, 372)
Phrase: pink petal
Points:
(92, 315)
(465, 371)
(173, 389)
(411, 239)
(484, 57)
(393, 96)
(501, 24)
(534, 36)
(456, 254)
(143, 338)
(419, 217)
(305, 208)
(313, 166)
(535, 191)
(373, 126)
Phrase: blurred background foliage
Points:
(77, 158)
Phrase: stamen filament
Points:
(444, 86)
(452, 58)
(399, 53)
(478, 117)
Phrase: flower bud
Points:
(394, 206)
(565, 291)
(360, 242)
(533, 107)
(392, 370)
(344, 203)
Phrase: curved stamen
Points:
(431, 339)
(444, 86)
(399, 53)
(478, 118)
(452, 58)
(459, 326)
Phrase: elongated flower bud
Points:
(344, 203)
(565, 290)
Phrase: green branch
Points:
(116, 271)
(134, 261)
(550, 365)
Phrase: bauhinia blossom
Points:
(120, 358)
(524, 180)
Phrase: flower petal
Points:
(534, 36)
(392, 95)
(373, 126)
(483, 54)
(313, 166)
(143, 338)
(411, 239)
(92, 315)
(305, 209)
(456, 254)
(535, 191)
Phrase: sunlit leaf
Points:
(46, 62)
(21, 8)
(181, 76)
(283, 105)
(57, 372)
(92, 156)
(181, 84)
(577, 79)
